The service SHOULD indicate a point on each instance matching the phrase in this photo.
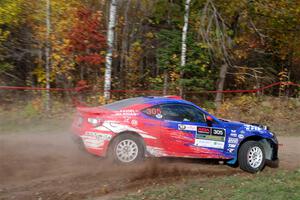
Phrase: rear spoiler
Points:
(92, 110)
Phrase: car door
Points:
(186, 133)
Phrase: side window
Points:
(153, 111)
(181, 112)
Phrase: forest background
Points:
(179, 47)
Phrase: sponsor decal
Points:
(134, 122)
(127, 112)
(252, 128)
(94, 139)
(230, 150)
(159, 116)
(242, 132)
(210, 137)
(211, 131)
(203, 130)
(233, 140)
(233, 134)
(218, 132)
(98, 136)
(232, 145)
(241, 136)
(209, 143)
(184, 127)
(181, 127)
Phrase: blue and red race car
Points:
(132, 129)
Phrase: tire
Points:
(127, 149)
(252, 157)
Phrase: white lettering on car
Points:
(252, 128)
(233, 140)
(95, 139)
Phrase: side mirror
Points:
(209, 120)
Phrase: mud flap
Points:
(232, 161)
(272, 163)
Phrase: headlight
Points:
(266, 128)
(94, 121)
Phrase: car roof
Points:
(164, 99)
(153, 100)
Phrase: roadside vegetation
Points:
(278, 186)
(30, 118)
(282, 115)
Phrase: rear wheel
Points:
(127, 148)
(252, 156)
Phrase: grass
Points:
(282, 185)
(24, 120)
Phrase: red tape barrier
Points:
(78, 89)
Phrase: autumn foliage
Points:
(258, 40)
(87, 41)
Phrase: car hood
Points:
(246, 127)
(233, 124)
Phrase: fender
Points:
(269, 142)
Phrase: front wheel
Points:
(252, 156)
(127, 148)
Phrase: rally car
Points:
(129, 130)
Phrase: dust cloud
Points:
(50, 165)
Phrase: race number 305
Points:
(218, 132)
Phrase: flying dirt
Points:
(51, 166)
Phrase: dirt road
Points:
(50, 166)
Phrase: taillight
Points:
(94, 121)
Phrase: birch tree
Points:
(183, 43)
(110, 42)
(48, 52)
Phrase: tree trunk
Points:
(48, 53)
(222, 77)
(110, 42)
(81, 72)
(166, 84)
(124, 47)
(183, 43)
